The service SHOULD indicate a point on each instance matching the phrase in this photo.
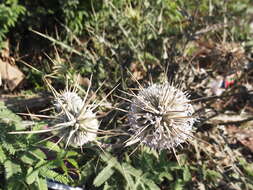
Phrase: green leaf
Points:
(38, 154)
(186, 174)
(51, 174)
(178, 185)
(103, 176)
(166, 175)
(8, 147)
(32, 175)
(52, 146)
(64, 167)
(26, 158)
(107, 186)
(15, 185)
(87, 169)
(150, 183)
(71, 153)
(247, 167)
(42, 183)
(110, 160)
(11, 169)
(129, 169)
(2, 155)
(73, 162)
(212, 175)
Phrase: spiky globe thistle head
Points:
(82, 124)
(160, 117)
(69, 101)
(75, 121)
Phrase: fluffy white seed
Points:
(160, 117)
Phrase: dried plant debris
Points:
(244, 136)
(219, 155)
(222, 58)
(10, 75)
(161, 117)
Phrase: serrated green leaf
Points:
(52, 146)
(40, 164)
(11, 169)
(103, 176)
(73, 162)
(31, 175)
(51, 174)
(129, 169)
(38, 154)
(26, 158)
(110, 160)
(8, 116)
(42, 183)
(9, 147)
(149, 183)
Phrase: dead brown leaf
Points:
(10, 74)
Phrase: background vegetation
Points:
(197, 42)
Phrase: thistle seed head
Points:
(161, 117)
(72, 111)
(69, 101)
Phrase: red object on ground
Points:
(229, 83)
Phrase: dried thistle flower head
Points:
(70, 101)
(160, 117)
(75, 122)
(83, 125)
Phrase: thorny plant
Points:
(114, 36)
(76, 121)
(161, 117)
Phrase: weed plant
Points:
(115, 41)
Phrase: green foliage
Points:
(133, 178)
(74, 14)
(145, 172)
(108, 37)
(25, 164)
(247, 167)
(10, 11)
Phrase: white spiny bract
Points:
(83, 124)
(160, 117)
(70, 101)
